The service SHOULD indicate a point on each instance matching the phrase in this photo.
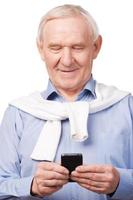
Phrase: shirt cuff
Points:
(23, 186)
(124, 190)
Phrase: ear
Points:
(40, 49)
(97, 46)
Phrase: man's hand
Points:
(49, 178)
(102, 179)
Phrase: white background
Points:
(21, 69)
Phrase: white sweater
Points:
(53, 112)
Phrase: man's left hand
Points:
(102, 179)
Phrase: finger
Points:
(50, 166)
(53, 183)
(92, 176)
(91, 168)
(49, 175)
(47, 190)
(90, 182)
(55, 175)
(98, 190)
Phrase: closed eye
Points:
(78, 47)
(55, 47)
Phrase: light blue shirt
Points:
(110, 141)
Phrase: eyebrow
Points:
(52, 44)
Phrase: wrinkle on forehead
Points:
(76, 27)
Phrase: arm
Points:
(11, 183)
(49, 177)
(125, 188)
(108, 179)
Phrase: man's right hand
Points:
(49, 178)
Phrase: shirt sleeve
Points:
(11, 182)
(124, 190)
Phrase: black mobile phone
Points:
(71, 161)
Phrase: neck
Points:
(69, 95)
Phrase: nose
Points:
(66, 57)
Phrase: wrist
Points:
(33, 189)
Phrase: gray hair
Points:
(67, 10)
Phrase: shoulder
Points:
(12, 115)
(11, 112)
(130, 103)
(125, 107)
(16, 116)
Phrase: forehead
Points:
(66, 28)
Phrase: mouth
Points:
(68, 71)
(68, 74)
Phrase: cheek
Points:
(51, 60)
(85, 63)
(84, 58)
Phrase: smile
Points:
(68, 71)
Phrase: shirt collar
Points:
(51, 91)
(90, 87)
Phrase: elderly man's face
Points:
(68, 51)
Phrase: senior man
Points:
(75, 114)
